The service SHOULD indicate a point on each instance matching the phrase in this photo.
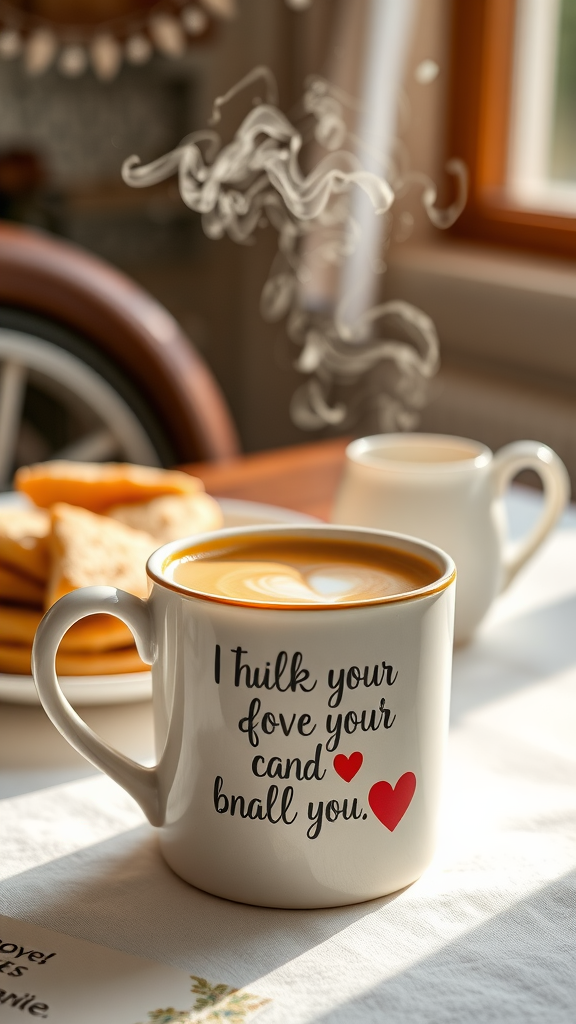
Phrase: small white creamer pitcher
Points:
(448, 490)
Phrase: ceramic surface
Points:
(299, 752)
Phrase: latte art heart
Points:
(280, 585)
(321, 585)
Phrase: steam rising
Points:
(257, 180)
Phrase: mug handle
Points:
(140, 782)
(507, 463)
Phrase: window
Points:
(513, 119)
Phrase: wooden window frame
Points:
(482, 50)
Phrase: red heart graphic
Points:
(390, 804)
(348, 767)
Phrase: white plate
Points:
(137, 686)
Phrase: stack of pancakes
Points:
(90, 525)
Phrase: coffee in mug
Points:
(315, 573)
(449, 491)
(301, 679)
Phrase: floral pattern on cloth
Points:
(213, 1003)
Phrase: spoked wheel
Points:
(61, 398)
(151, 398)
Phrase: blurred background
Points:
(492, 82)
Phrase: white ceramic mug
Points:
(319, 788)
(448, 490)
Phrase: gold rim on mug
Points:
(161, 559)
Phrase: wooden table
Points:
(303, 477)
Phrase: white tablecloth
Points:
(487, 935)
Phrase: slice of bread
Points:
(97, 486)
(95, 633)
(18, 625)
(172, 516)
(24, 541)
(16, 660)
(15, 588)
(91, 550)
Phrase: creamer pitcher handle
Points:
(507, 463)
(140, 782)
